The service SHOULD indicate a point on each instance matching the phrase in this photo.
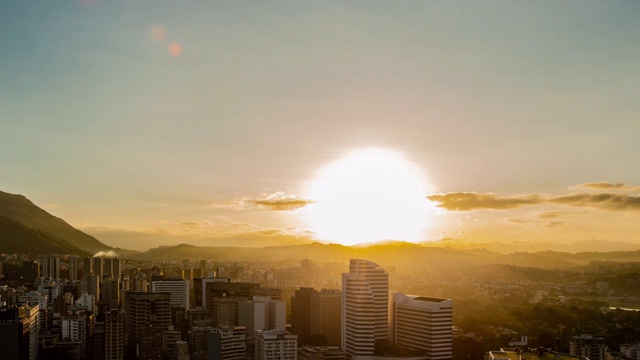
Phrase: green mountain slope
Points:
(23, 211)
(15, 238)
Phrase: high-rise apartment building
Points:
(87, 266)
(73, 269)
(51, 267)
(422, 323)
(74, 328)
(178, 288)
(275, 345)
(365, 299)
(114, 334)
(149, 314)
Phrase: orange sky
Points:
(150, 124)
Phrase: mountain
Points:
(21, 210)
(19, 239)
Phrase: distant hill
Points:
(15, 238)
(21, 210)
(405, 256)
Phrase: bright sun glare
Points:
(367, 196)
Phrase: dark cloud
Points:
(606, 201)
(554, 223)
(464, 201)
(282, 204)
(603, 185)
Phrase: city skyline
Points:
(216, 124)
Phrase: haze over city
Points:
(255, 124)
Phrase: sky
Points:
(150, 123)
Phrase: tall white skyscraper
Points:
(422, 323)
(365, 299)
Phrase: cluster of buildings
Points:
(91, 309)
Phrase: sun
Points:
(367, 196)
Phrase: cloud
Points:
(464, 201)
(606, 201)
(49, 206)
(554, 223)
(517, 221)
(279, 201)
(549, 215)
(603, 185)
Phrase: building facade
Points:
(365, 299)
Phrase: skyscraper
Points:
(73, 269)
(326, 315)
(149, 314)
(51, 267)
(422, 323)
(316, 313)
(114, 334)
(178, 288)
(19, 332)
(365, 299)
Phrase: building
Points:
(586, 345)
(422, 323)
(51, 267)
(301, 314)
(73, 269)
(275, 345)
(321, 353)
(74, 329)
(365, 299)
(317, 315)
(87, 266)
(109, 292)
(261, 313)
(169, 339)
(181, 351)
(114, 334)
(228, 343)
(16, 337)
(30, 271)
(178, 288)
(148, 316)
(326, 319)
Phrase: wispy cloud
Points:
(603, 185)
(277, 201)
(464, 201)
(516, 221)
(606, 201)
(549, 215)
(280, 201)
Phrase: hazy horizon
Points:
(158, 123)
